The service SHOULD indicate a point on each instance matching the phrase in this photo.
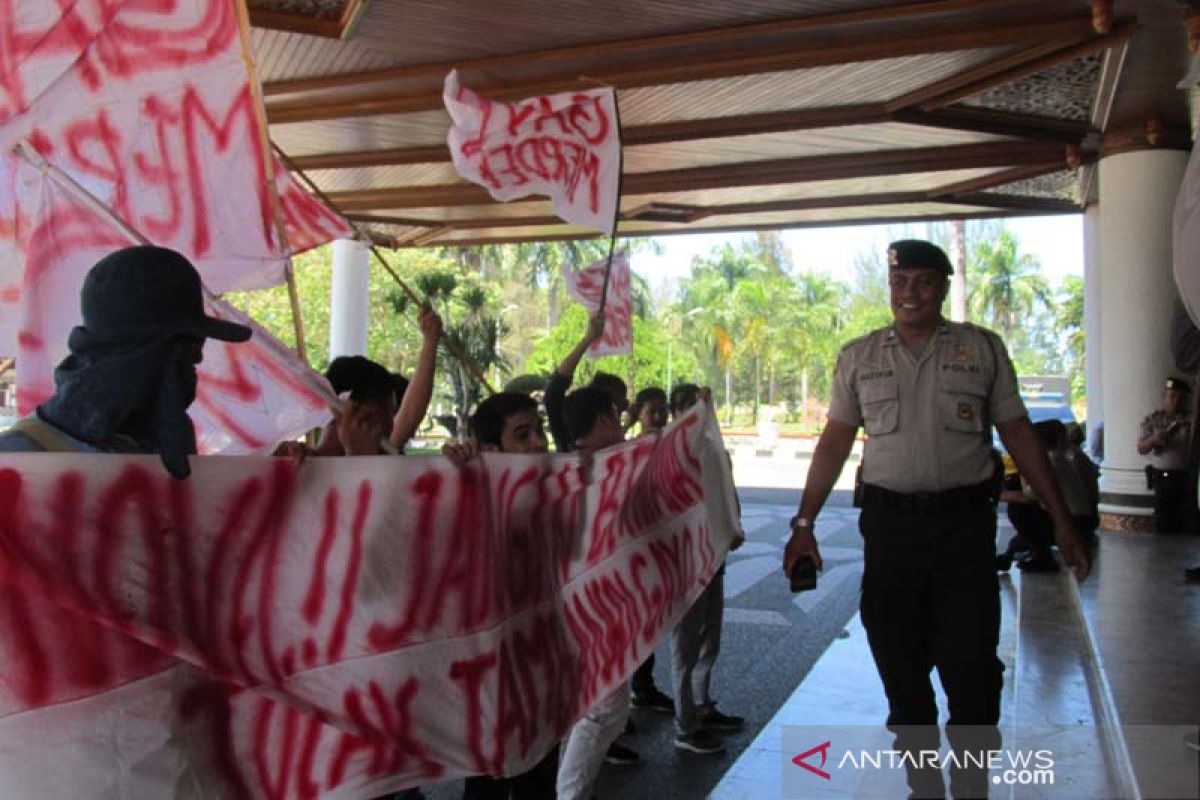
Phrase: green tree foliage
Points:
(469, 310)
(646, 366)
(1068, 322)
(743, 321)
(392, 340)
(1006, 286)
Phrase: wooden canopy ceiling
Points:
(749, 115)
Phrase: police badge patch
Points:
(966, 412)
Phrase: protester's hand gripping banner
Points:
(566, 146)
(587, 286)
(149, 108)
(340, 628)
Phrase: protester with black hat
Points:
(928, 391)
(131, 374)
(1164, 437)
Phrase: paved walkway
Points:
(1105, 679)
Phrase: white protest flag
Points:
(341, 628)
(12, 261)
(587, 286)
(250, 396)
(148, 108)
(253, 395)
(566, 146)
(155, 118)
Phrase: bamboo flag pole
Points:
(264, 143)
(612, 236)
(451, 345)
(68, 184)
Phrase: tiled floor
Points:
(1124, 649)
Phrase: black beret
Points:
(918, 254)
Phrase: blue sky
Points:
(1055, 242)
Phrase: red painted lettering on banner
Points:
(95, 149)
(260, 579)
(237, 127)
(338, 638)
(427, 490)
(469, 674)
(314, 600)
(532, 140)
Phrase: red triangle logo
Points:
(823, 749)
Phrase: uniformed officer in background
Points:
(927, 392)
(1164, 436)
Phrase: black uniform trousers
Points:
(1171, 499)
(930, 598)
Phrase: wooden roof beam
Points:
(997, 123)
(988, 69)
(1001, 178)
(293, 22)
(1012, 202)
(610, 49)
(682, 131)
(686, 66)
(1119, 34)
(836, 223)
(754, 173)
(1000, 201)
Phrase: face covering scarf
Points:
(138, 387)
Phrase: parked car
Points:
(1046, 397)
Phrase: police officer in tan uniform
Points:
(927, 392)
(1164, 437)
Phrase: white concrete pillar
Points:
(1093, 351)
(1137, 198)
(350, 301)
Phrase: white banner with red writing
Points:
(343, 627)
(148, 106)
(587, 286)
(566, 146)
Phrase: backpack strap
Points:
(46, 436)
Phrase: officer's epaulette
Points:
(982, 331)
(859, 340)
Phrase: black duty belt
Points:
(959, 497)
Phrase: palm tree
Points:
(1007, 286)
(1068, 320)
(815, 318)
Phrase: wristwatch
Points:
(800, 523)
